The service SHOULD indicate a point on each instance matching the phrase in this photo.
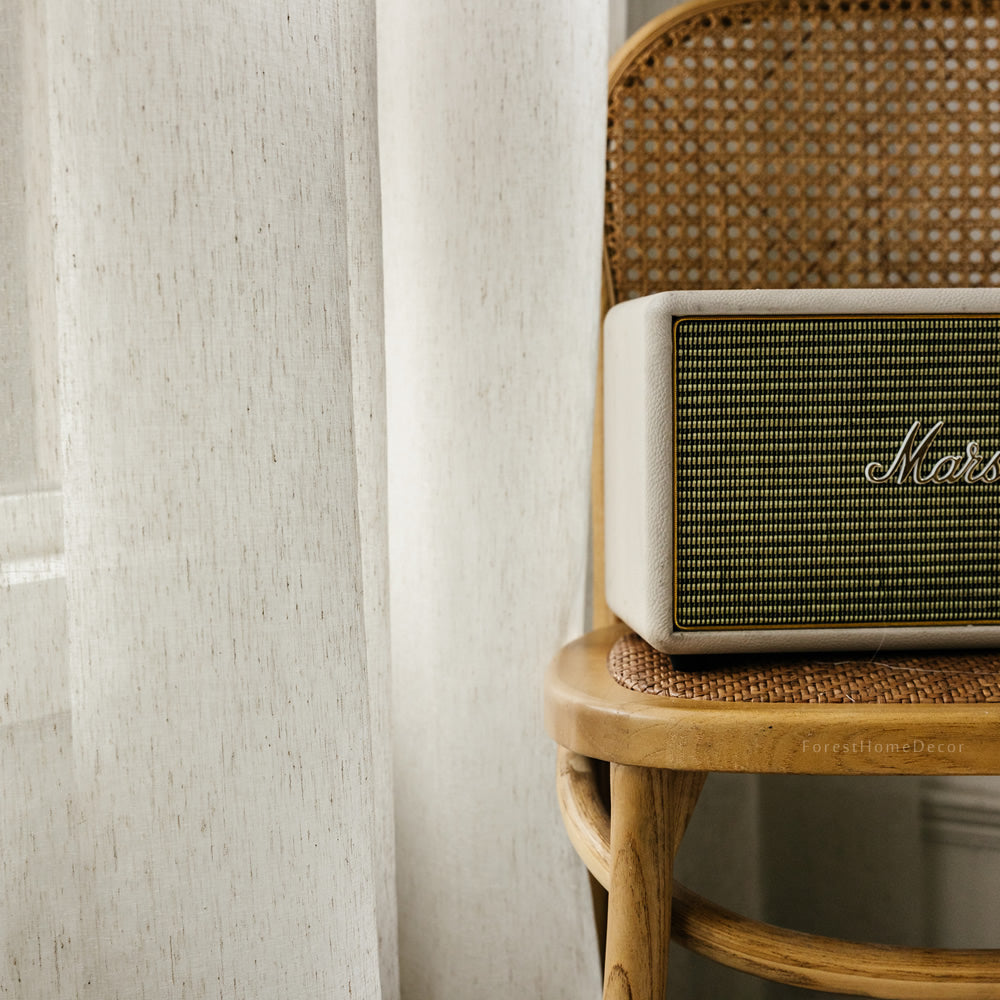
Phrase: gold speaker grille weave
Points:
(836, 471)
(808, 144)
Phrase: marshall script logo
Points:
(910, 463)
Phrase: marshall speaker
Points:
(804, 470)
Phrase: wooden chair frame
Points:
(660, 750)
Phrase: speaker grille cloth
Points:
(776, 524)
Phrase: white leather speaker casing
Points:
(639, 492)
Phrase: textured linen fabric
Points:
(213, 201)
(492, 165)
(195, 746)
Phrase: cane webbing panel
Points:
(777, 524)
(807, 144)
(941, 677)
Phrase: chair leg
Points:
(650, 809)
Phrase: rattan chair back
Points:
(806, 143)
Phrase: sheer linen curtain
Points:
(214, 800)
(195, 737)
(492, 148)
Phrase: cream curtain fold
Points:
(492, 139)
(205, 793)
(212, 202)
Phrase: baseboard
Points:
(962, 812)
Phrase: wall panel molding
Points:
(962, 813)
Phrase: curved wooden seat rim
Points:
(587, 712)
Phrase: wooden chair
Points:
(777, 143)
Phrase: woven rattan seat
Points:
(779, 144)
(943, 677)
